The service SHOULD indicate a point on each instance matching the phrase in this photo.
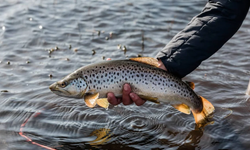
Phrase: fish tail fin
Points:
(103, 102)
(208, 109)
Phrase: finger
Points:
(138, 101)
(112, 99)
(126, 100)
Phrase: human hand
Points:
(129, 97)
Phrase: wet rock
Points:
(93, 52)
(119, 46)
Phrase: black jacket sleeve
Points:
(203, 36)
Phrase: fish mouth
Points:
(57, 90)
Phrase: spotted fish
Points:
(94, 81)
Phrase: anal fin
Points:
(182, 108)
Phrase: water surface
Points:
(29, 30)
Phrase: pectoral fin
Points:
(103, 102)
(182, 108)
(90, 99)
(146, 60)
(151, 99)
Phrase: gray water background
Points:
(30, 29)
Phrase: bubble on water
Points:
(3, 27)
(40, 27)
(30, 19)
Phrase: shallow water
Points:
(30, 29)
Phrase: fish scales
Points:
(144, 80)
(94, 81)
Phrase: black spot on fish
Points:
(111, 80)
(86, 77)
(94, 80)
(98, 81)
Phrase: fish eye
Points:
(63, 84)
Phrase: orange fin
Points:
(151, 99)
(191, 84)
(208, 109)
(90, 99)
(182, 108)
(146, 60)
(103, 102)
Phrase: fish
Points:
(92, 82)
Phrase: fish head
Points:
(68, 87)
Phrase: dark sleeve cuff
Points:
(203, 36)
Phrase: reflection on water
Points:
(42, 41)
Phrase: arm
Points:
(202, 37)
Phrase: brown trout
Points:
(94, 81)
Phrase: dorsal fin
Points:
(190, 84)
(146, 60)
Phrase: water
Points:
(30, 29)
